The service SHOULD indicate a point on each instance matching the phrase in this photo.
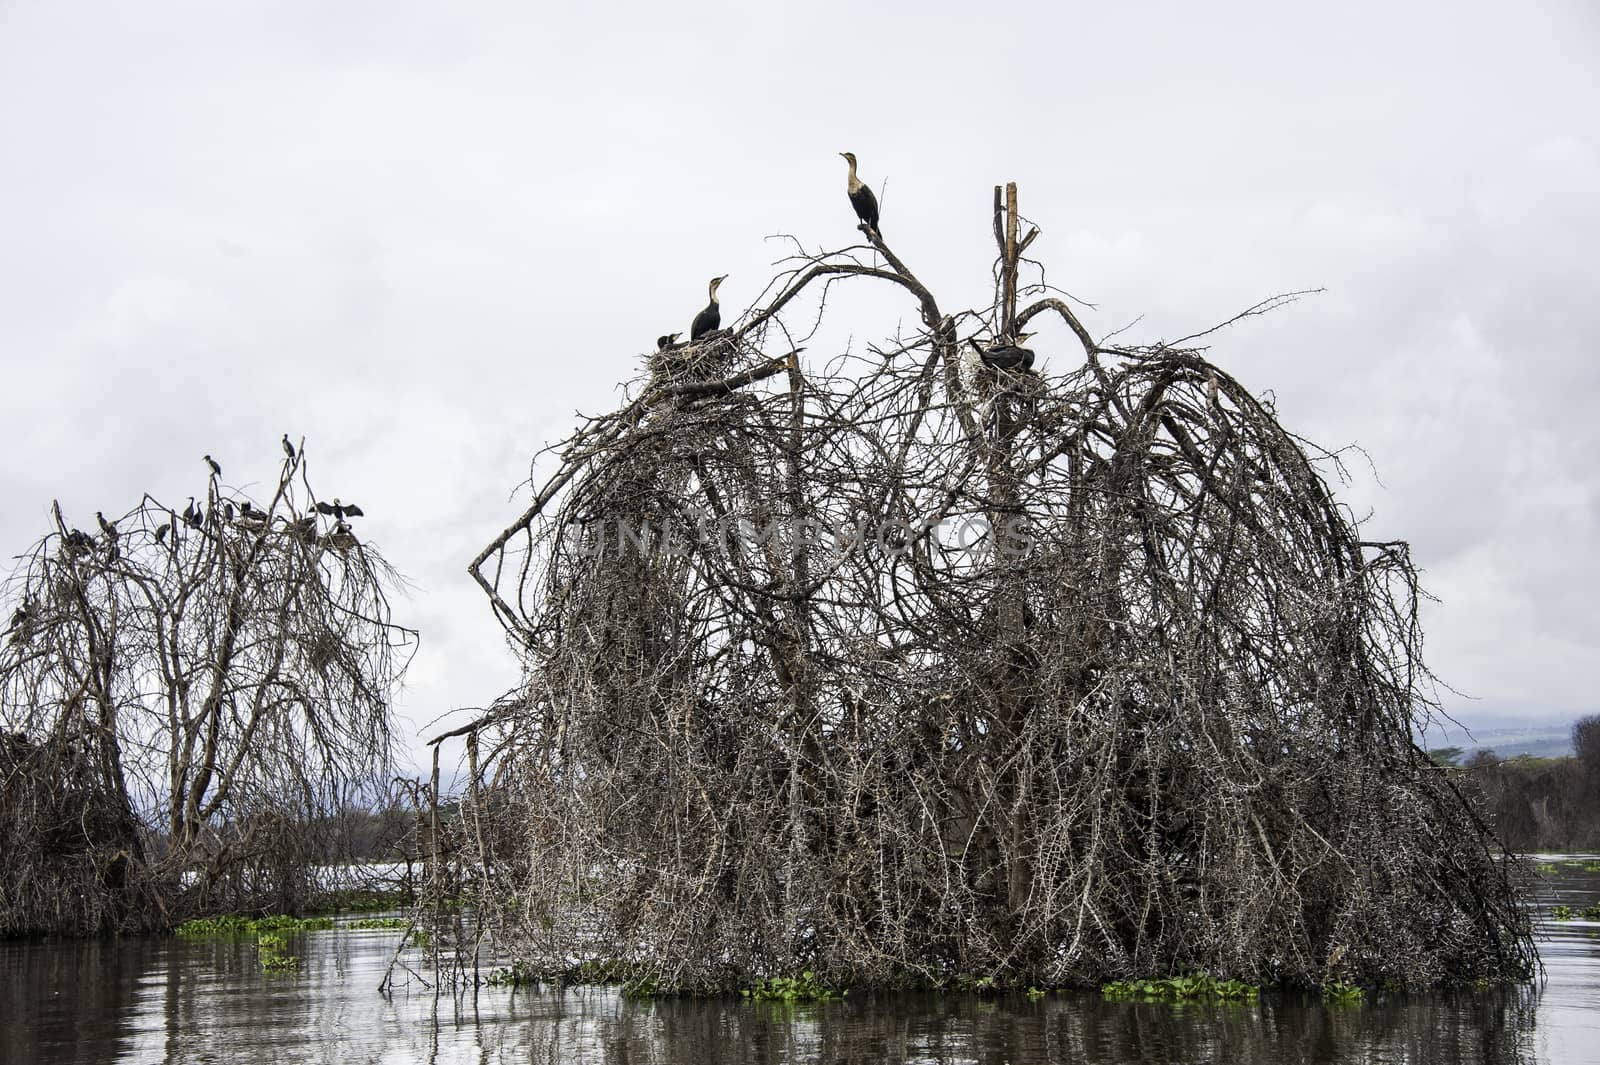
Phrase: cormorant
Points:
(663, 343)
(216, 470)
(191, 515)
(340, 510)
(708, 320)
(227, 510)
(162, 530)
(105, 526)
(861, 197)
(288, 448)
(1007, 355)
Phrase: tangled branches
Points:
(188, 696)
(900, 669)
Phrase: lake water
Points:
(148, 1000)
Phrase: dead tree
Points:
(219, 682)
(899, 668)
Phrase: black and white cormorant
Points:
(670, 340)
(216, 470)
(709, 319)
(1007, 355)
(340, 510)
(288, 448)
(105, 526)
(861, 197)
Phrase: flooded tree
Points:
(187, 695)
(948, 663)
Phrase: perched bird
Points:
(1007, 355)
(162, 530)
(105, 526)
(861, 197)
(216, 470)
(190, 514)
(227, 510)
(340, 510)
(708, 320)
(20, 621)
(663, 343)
(288, 448)
(78, 540)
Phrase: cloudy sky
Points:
(422, 234)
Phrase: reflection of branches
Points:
(1089, 675)
(228, 673)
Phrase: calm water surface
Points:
(168, 1000)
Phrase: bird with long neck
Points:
(709, 319)
(861, 197)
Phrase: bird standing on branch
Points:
(861, 197)
(709, 319)
(288, 448)
(1007, 355)
(216, 470)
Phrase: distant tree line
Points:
(1541, 804)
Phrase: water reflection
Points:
(154, 1000)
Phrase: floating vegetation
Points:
(1342, 994)
(1200, 987)
(513, 975)
(1591, 913)
(804, 988)
(1034, 994)
(1561, 913)
(367, 924)
(1547, 868)
(239, 925)
(272, 950)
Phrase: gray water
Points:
(169, 1000)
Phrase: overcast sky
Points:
(422, 235)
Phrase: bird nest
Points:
(904, 671)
